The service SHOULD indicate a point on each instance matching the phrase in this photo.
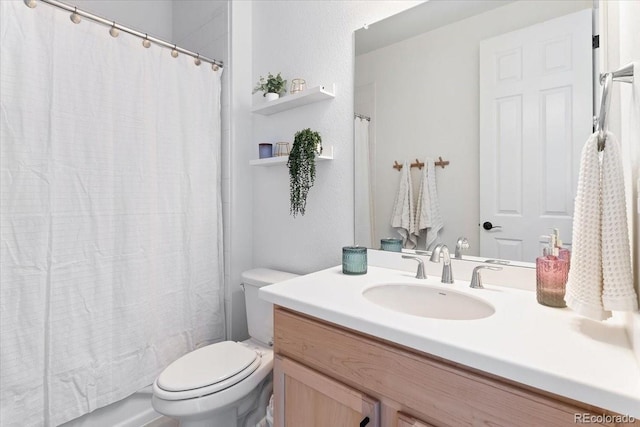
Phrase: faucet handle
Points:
(476, 278)
(420, 273)
(461, 245)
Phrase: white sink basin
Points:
(426, 301)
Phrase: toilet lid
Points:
(208, 365)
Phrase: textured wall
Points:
(238, 208)
(312, 40)
(630, 52)
(620, 44)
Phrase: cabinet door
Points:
(407, 421)
(306, 398)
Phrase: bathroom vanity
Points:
(342, 360)
(322, 370)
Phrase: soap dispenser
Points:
(551, 275)
(563, 253)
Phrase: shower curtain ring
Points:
(174, 52)
(114, 31)
(75, 18)
(197, 60)
(146, 43)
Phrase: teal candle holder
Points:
(391, 244)
(354, 260)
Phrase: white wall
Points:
(630, 52)
(238, 203)
(621, 40)
(312, 40)
(202, 26)
(427, 104)
(150, 16)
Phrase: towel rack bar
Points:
(418, 164)
(625, 75)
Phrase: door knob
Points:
(488, 226)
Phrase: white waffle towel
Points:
(428, 215)
(402, 217)
(600, 278)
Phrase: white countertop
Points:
(547, 348)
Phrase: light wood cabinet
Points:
(414, 388)
(307, 399)
(405, 420)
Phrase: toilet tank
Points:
(259, 312)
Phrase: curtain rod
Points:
(216, 63)
(360, 116)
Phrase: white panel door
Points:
(535, 116)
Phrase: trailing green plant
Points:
(271, 84)
(302, 168)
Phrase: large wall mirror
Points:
(503, 91)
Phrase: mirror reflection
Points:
(503, 91)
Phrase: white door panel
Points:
(535, 115)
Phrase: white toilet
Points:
(226, 384)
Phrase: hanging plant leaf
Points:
(302, 168)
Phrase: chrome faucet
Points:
(439, 251)
(420, 273)
(461, 245)
(476, 279)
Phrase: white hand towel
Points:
(428, 215)
(618, 292)
(600, 279)
(402, 217)
(584, 287)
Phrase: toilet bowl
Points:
(225, 384)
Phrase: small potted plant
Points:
(302, 168)
(272, 86)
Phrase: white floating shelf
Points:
(327, 154)
(308, 96)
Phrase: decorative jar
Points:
(391, 244)
(265, 150)
(354, 260)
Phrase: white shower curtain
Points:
(110, 214)
(364, 210)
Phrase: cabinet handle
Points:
(364, 422)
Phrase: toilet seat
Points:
(206, 371)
